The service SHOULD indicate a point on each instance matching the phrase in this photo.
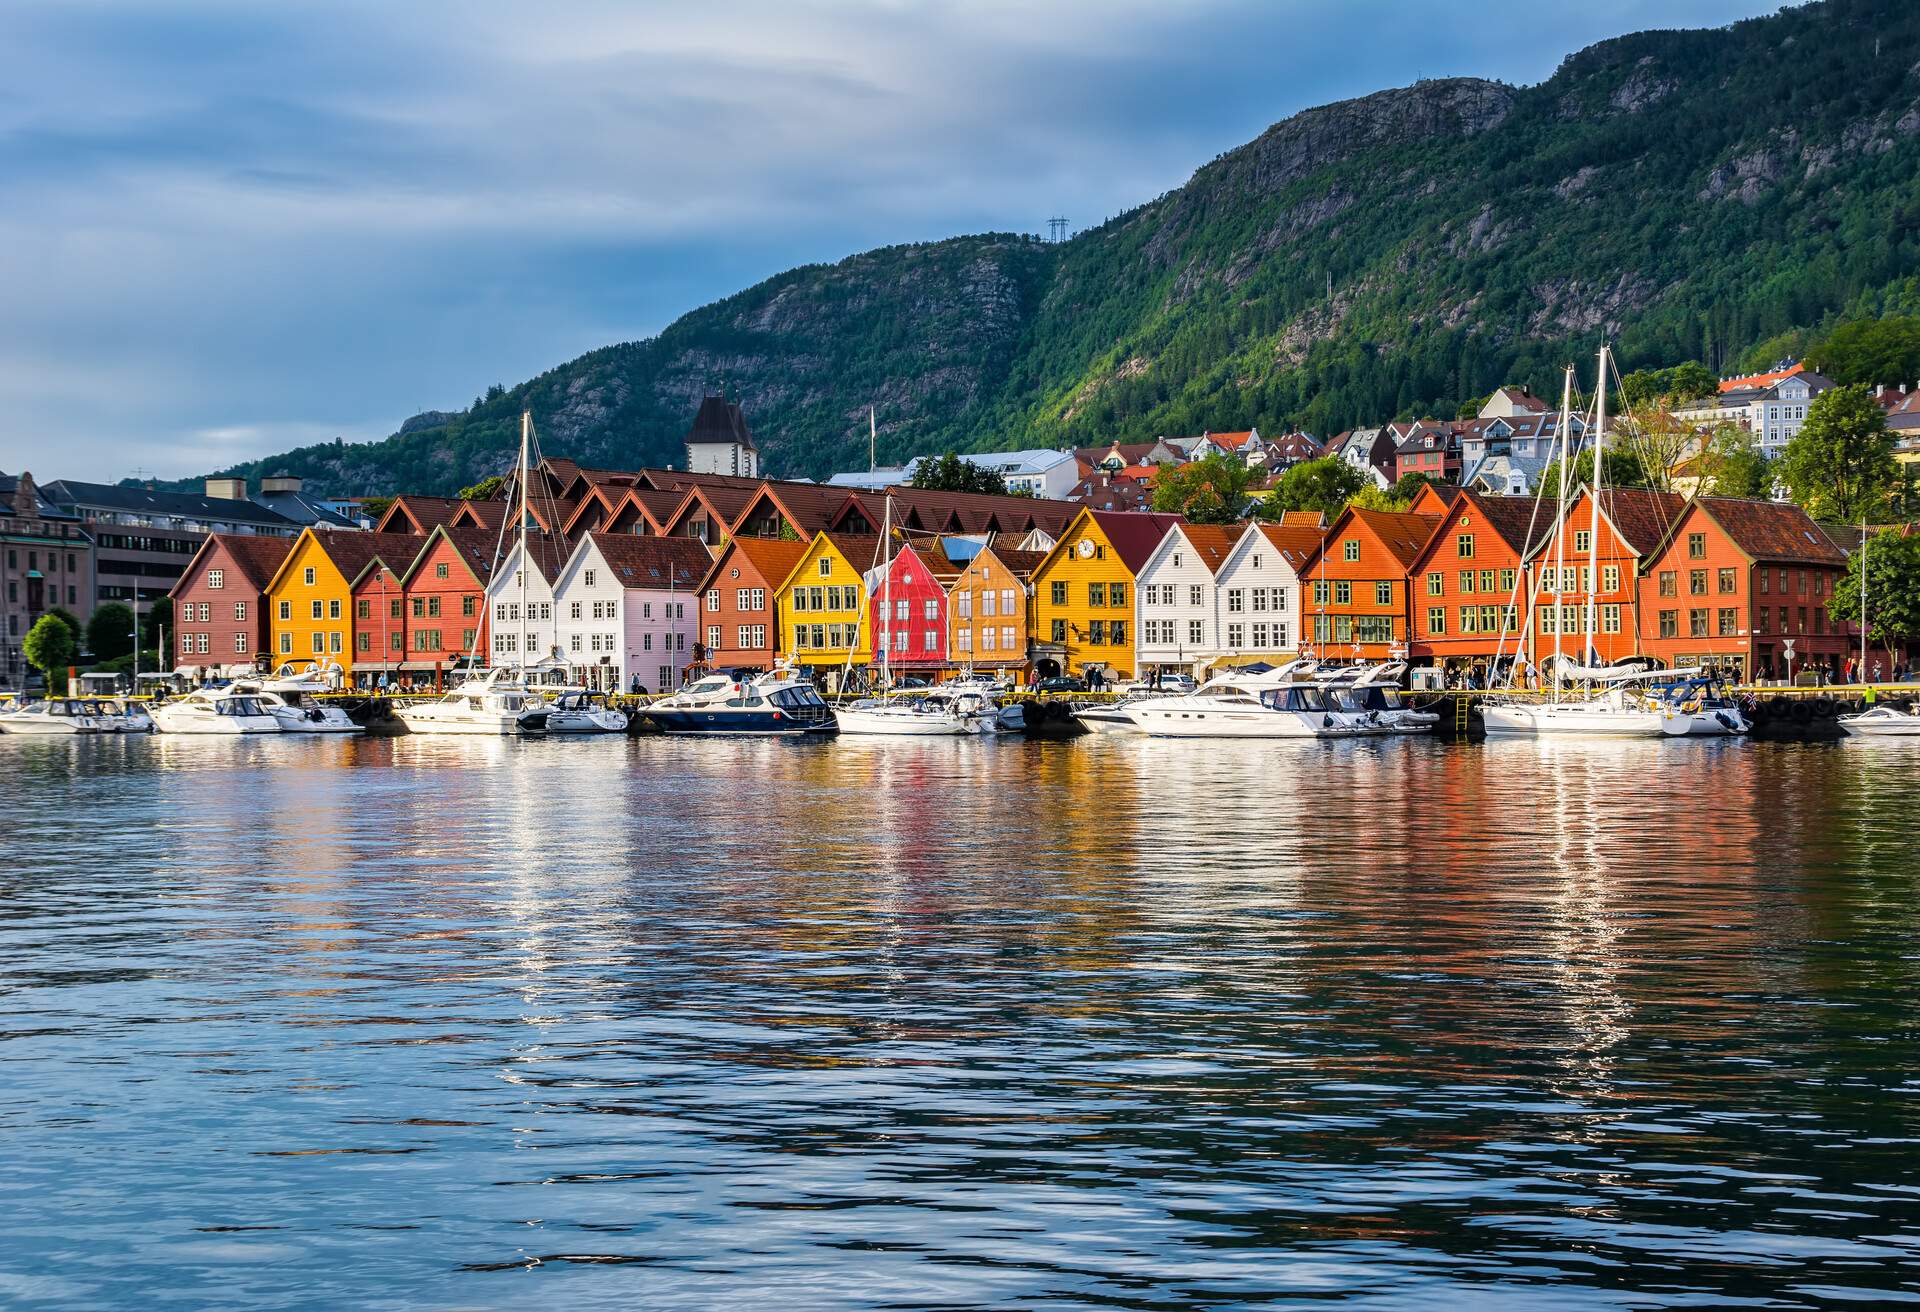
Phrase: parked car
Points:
(1061, 683)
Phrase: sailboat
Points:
(920, 717)
(1608, 707)
(498, 701)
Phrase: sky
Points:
(230, 227)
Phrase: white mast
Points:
(1863, 598)
(526, 426)
(873, 441)
(1560, 531)
(886, 593)
(1593, 519)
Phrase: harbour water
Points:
(911, 1023)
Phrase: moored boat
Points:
(494, 703)
(297, 711)
(575, 710)
(1242, 704)
(777, 702)
(1882, 722)
(56, 715)
(214, 711)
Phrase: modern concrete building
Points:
(47, 562)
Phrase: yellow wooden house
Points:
(310, 599)
(1083, 592)
(822, 603)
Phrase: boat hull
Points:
(1168, 722)
(1103, 719)
(894, 724)
(294, 720)
(47, 728)
(586, 722)
(214, 726)
(1870, 725)
(1563, 721)
(492, 725)
(735, 722)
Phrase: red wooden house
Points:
(914, 630)
(446, 594)
(739, 622)
(380, 609)
(1354, 588)
(219, 604)
(1468, 582)
(1734, 581)
(1632, 523)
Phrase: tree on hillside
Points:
(1470, 408)
(374, 507)
(1840, 464)
(1324, 485)
(1870, 351)
(50, 648)
(1396, 498)
(1210, 491)
(1734, 466)
(1893, 590)
(949, 473)
(1623, 470)
(1683, 382)
(1657, 442)
(110, 631)
(1789, 345)
(487, 489)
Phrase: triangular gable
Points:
(298, 543)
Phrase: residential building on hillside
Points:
(143, 539)
(1176, 601)
(629, 606)
(719, 443)
(1040, 472)
(1370, 451)
(49, 562)
(1104, 491)
(1771, 405)
(1744, 585)
(1083, 592)
(220, 610)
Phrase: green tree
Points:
(486, 489)
(374, 507)
(71, 620)
(1324, 485)
(1674, 386)
(1789, 345)
(1733, 465)
(1892, 572)
(1470, 408)
(949, 473)
(1840, 464)
(1210, 491)
(50, 648)
(110, 631)
(1870, 351)
(1623, 470)
(158, 625)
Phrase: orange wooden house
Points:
(1354, 588)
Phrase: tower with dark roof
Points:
(719, 443)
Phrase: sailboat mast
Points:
(886, 592)
(1560, 529)
(1593, 518)
(1863, 599)
(526, 425)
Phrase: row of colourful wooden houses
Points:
(634, 576)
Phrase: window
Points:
(1696, 583)
(1506, 580)
(1760, 619)
(286, 644)
(588, 577)
(1383, 593)
(1609, 578)
(440, 570)
(1436, 585)
(1669, 583)
(1669, 623)
(930, 640)
(319, 643)
(240, 642)
(1096, 594)
(1321, 592)
(240, 611)
(319, 609)
(1696, 546)
(1007, 606)
(1058, 593)
(1729, 621)
(963, 604)
(1117, 594)
(1236, 600)
(1195, 595)
(826, 567)
(1117, 632)
(900, 609)
(1058, 633)
(1610, 617)
(1462, 544)
(1259, 599)
(1729, 580)
(1350, 549)
(216, 578)
(419, 608)
(1196, 632)
(986, 639)
(1437, 621)
(308, 576)
(1467, 578)
(713, 632)
(393, 609)
(1236, 636)
(1342, 593)
(1697, 622)
(930, 609)
(713, 599)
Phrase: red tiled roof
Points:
(1760, 380)
(1213, 542)
(1295, 542)
(256, 555)
(1772, 530)
(1021, 564)
(423, 514)
(772, 558)
(1641, 517)
(643, 561)
(1402, 533)
(1133, 535)
(352, 553)
(1103, 493)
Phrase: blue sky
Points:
(231, 227)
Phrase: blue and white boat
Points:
(777, 702)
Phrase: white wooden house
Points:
(625, 607)
(1176, 623)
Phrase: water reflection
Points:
(1141, 1023)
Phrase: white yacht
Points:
(493, 703)
(56, 715)
(1882, 722)
(294, 681)
(1114, 716)
(297, 711)
(1611, 713)
(214, 711)
(575, 710)
(1240, 704)
(777, 702)
(1375, 691)
(978, 697)
(118, 715)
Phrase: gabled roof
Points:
(1769, 531)
(1102, 493)
(417, 514)
(1760, 382)
(935, 562)
(772, 558)
(258, 557)
(1509, 517)
(1212, 543)
(807, 507)
(475, 548)
(1295, 542)
(1133, 535)
(351, 553)
(1403, 533)
(1020, 564)
(653, 562)
(489, 515)
(1640, 518)
(972, 512)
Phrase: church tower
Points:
(719, 443)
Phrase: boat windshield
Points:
(1296, 698)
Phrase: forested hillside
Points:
(1687, 194)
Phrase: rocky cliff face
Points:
(1683, 193)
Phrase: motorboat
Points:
(291, 680)
(297, 712)
(781, 701)
(575, 710)
(118, 715)
(1376, 691)
(1882, 722)
(978, 699)
(1243, 704)
(1693, 705)
(214, 711)
(495, 702)
(56, 715)
(1111, 717)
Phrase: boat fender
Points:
(1726, 722)
(1326, 722)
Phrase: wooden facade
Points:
(739, 621)
(1354, 593)
(1632, 522)
(1084, 589)
(990, 609)
(220, 611)
(1469, 583)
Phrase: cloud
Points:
(225, 227)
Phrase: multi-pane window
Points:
(1462, 544)
(1436, 585)
(1609, 578)
(1729, 580)
(1437, 621)
(1467, 579)
(1117, 594)
(1696, 546)
(1058, 592)
(1342, 592)
(1383, 593)
(1669, 583)
(1236, 600)
(1236, 636)
(1194, 594)
(1697, 622)
(1096, 594)
(1610, 617)
(1196, 632)
(1583, 540)
(1350, 549)
(1729, 621)
(216, 578)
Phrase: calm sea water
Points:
(1113, 1023)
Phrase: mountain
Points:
(1687, 194)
